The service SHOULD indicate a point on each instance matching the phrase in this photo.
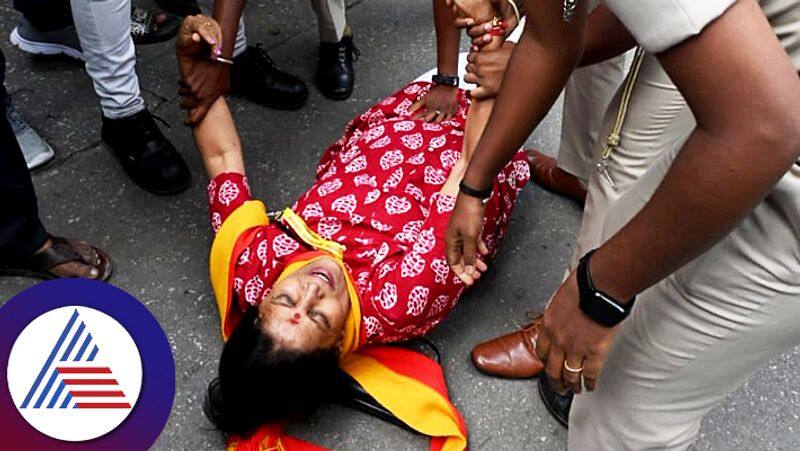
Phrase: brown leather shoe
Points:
(512, 355)
(549, 176)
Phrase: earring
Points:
(340, 343)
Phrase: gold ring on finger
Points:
(572, 370)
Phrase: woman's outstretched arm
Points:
(198, 40)
(481, 108)
(218, 142)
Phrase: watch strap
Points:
(446, 80)
(483, 195)
(597, 305)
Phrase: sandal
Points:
(60, 251)
(145, 28)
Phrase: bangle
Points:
(498, 27)
(483, 195)
(516, 10)
(222, 60)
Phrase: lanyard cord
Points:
(613, 138)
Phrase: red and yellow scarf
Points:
(388, 374)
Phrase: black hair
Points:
(260, 383)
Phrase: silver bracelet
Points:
(516, 9)
(222, 60)
(569, 10)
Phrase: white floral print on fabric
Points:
(329, 226)
(372, 326)
(441, 269)
(393, 180)
(417, 300)
(261, 251)
(394, 258)
(396, 205)
(412, 141)
(228, 192)
(244, 257)
(388, 296)
(329, 187)
(313, 210)
(216, 221)
(434, 176)
(284, 245)
(413, 264)
(252, 290)
(391, 159)
(346, 204)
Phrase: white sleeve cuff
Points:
(659, 25)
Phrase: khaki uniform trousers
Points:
(587, 95)
(654, 104)
(694, 337)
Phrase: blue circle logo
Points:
(87, 367)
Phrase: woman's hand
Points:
(481, 33)
(439, 104)
(475, 10)
(463, 238)
(194, 33)
(450, 188)
(486, 69)
(478, 28)
(203, 80)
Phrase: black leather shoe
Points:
(145, 154)
(557, 405)
(254, 76)
(335, 75)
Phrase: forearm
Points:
(711, 186)
(228, 13)
(218, 142)
(747, 137)
(447, 38)
(606, 37)
(536, 74)
(480, 111)
(477, 119)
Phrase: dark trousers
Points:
(21, 232)
(46, 15)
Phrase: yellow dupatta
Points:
(406, 383)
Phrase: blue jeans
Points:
(103, 28)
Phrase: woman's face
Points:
(307, 310)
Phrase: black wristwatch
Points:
(445, 80)
(483, 195)
(599, 306)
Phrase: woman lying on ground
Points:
(357, 261)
